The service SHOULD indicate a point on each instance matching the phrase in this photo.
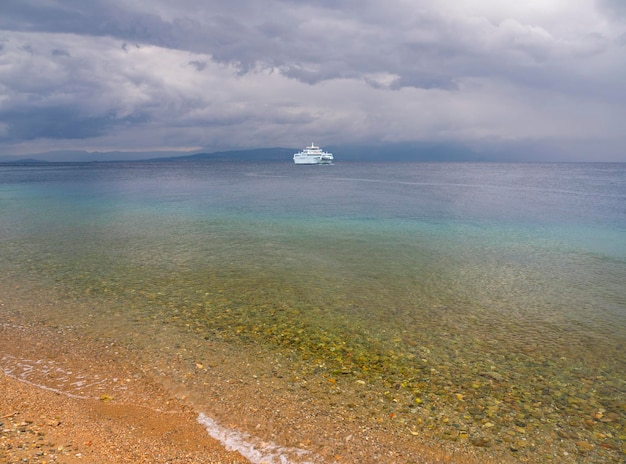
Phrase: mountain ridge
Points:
(423, 151)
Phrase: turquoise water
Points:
(489, 293)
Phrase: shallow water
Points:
(482, 304)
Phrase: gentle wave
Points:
(254, 449)
(48, 376)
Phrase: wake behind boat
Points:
(313, 155)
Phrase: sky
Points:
(544, 79)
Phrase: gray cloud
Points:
(202, 73)
(54, 123)
(613, 7)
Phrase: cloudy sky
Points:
(547, 76)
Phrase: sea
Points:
(479, 307)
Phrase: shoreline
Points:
(72, 397)
(45, 426)
(133, 422)
(69, 400)
(164, 396)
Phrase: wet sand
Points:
(46, 419)
(43, 426)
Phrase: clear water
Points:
(456, 286)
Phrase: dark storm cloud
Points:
(341, 42)
(79, 17)
(120, 72)
(55, 123)
(424, 48)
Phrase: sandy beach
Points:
(68, 397)
(65, 401)
(72, 391)
(77, 404)
(46, 427)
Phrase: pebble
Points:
(492, 375)
(584, 446)
(480, 441)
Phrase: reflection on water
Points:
(478, 304)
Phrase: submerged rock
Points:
(481, 441)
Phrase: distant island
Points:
(422, 151)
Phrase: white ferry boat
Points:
(313, 155)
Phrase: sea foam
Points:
(254, 449)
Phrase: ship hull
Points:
(307, 160)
